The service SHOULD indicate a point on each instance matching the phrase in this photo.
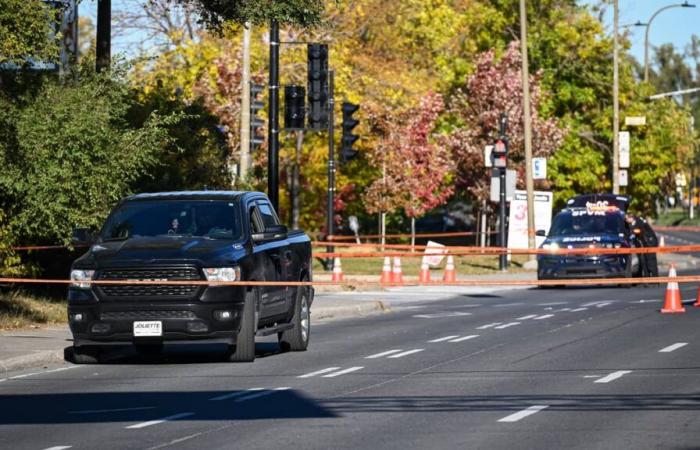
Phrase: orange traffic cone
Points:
(673, 303)
(450, 272)
(697, 298)
(424, 276)
(386, 271)
(337, 270)
(397, 274)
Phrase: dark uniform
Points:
(645, 237)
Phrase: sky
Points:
(674, 26)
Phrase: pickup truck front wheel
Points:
(244, 350)
(296, 339)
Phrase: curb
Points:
(34, 359)
(346, 311)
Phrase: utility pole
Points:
(273, 120)
(103, 47)
(244, 162)
(616, 99)
(527, 125)
(331, 162)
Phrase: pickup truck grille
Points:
(147, 315)
(121, 291)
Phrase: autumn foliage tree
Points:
(418, 172)
(495, 88)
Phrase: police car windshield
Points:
(580, 222)
(213, 219)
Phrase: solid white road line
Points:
(318, 372)
(158, 421)
(488, 325)
(524, 413)
(379, 355)
(234, 394)
(59, 447)
(441, 315)
(261, 394)
(343, 372)
(579, 309)
(546, 316)
(600, 305)
(527, 317)
(60, 369)
(465, 338)
(410, 352)
(613, 376)
(101, 411)
(446, 338)
(673, 347)
(506, 325)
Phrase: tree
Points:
(26, 31)
(495, 89)
(418, 171)
(298, 12)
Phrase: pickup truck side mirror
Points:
(83, 237)
(272, 233)
(541, 233)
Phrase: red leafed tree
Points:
(418, 172)
(495, 88)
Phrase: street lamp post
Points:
(646, 34)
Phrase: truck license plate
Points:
(148, 328)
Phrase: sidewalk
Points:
(22, 349)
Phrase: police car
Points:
(592, 221)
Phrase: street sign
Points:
(539, 168)
(623, 177)
(487, 156)
(635, 121)
(517, 223)
(624, 149)
(434, 253)
(496, 185)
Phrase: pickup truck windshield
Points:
(567, 224)
(213, 219)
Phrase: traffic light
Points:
(256, 122)
(500, 152)
(346, 151)
(294, 107)
(318, 86)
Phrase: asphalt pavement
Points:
(446, 368)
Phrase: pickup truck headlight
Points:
(223, 273)
(78, 278)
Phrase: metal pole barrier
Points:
(331, 161)
(503, 258)
(273, 122)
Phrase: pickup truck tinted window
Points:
(268, 217)
(215, 219)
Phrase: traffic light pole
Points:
(331, 161)
(503, 258)
(273, 123)
(103, 44)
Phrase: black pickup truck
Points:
(190, 236)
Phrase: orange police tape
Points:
(475, 251)
(377, 282)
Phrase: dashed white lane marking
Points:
(158, 421)
(524, 413)
(104, 411)
(506, 325)
(343, 372)
(553, 304)
(488, 325)
(527, 317)
(465, 338)
(387, 353)
(673, 347)
(60, 369)
(442, 314)
(410, 352)
(319, 372)
(446, 338)
(546, 316)
(563, 309)
(261, 394)
(591, 376)
(579, 309)
(600, 305)
(606, 302)
(613, 376)
(234, 394)
(59, 447)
